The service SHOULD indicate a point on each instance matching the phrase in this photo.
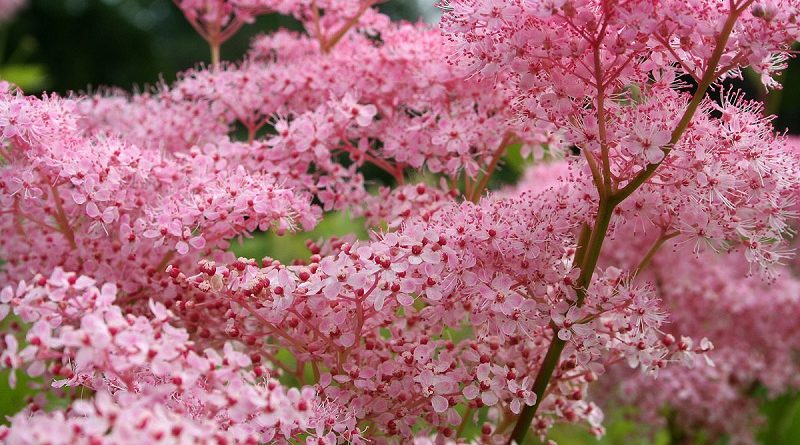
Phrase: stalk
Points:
(551, 358)
(648, 258)
(602, 222)
(215, 57)
(708, 78)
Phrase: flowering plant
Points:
(654, 215)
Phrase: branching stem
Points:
(475, 194)
(608, 203)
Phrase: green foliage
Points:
(783, 421)
(29, 77)
(13, 399)
(293, 246)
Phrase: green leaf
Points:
(26, 76)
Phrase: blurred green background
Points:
(80, 45)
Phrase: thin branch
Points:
(648, 258)
(476, 193)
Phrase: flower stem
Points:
(648, 258)
(593, 248)
(475, 194)
(329, 43)
(604, 213)
(61, 218)
(709, 76)
(539, 387)
(214, 54)
(590, 256)
(464, 421)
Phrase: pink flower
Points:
(650, 143)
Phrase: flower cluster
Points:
(395, 105)
(331, 312)
(755, 347)
(104, 207)
(145, 371)
(118, 211)
(707, 294)
(572, 49)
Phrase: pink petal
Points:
(440, 404)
